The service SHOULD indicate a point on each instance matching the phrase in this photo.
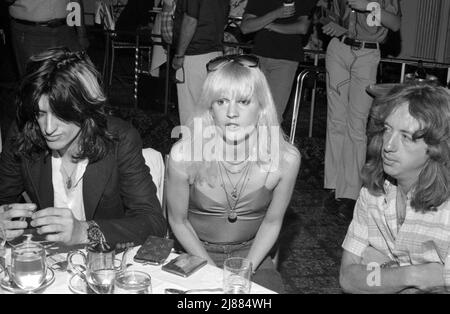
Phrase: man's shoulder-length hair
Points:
(71, 85)
(430, 106)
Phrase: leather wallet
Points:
(184, 265)
(155, 250)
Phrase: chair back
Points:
(153, 160)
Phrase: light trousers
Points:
(349, 72)
(194, 75)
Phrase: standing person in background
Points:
(198, 34)
(37, 25)
(352, 60)
(278, 42)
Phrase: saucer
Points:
(79, 286)
(12, 287)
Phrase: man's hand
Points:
(59, 225)
(334, 30)
(371, 255)
(358, 5)
(177, 62)
(15, 228)
(284, 12)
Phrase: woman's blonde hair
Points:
(235, 81)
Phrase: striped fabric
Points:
(423, 237)
(167, 25)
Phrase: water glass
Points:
(236, 275)
(28, 267)
(132, 282)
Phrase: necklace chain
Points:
(234, 191)
(232, 215)
(69, 183)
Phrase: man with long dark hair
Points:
(400, 234)
(83, 170)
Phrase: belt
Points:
(51, 23)
(359, 44)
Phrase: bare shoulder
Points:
(178, 157)
(291, 156)
(176, 152)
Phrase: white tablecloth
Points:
(208, 277)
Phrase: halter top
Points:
(208, 211)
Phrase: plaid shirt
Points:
(422, 238)
(167, 26)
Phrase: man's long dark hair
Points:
(430, 106)
(70, 82)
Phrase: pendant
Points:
(232, 216)
(234, 194)
(69, 183)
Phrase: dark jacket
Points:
(118, 191)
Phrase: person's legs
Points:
(338, 79)
(194, 77)
(280, 75)
(29, 40)
(363, 73)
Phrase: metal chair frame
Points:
(313, 72)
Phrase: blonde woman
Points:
(231, 176)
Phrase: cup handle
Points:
(78, 268)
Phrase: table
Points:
(208, 277)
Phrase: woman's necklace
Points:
(232, 215)
(233, 193)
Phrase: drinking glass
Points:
(236, 275)
(28, 267)
(132, 282)
(100, 269)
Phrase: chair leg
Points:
(111, 66)
(136, 72)
(311, 114)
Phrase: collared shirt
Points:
(71, 198)
(365, 32)
(422, 238)
(39, 10)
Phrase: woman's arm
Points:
(177, 189)
(270, 227)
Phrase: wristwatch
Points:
(94, 234)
